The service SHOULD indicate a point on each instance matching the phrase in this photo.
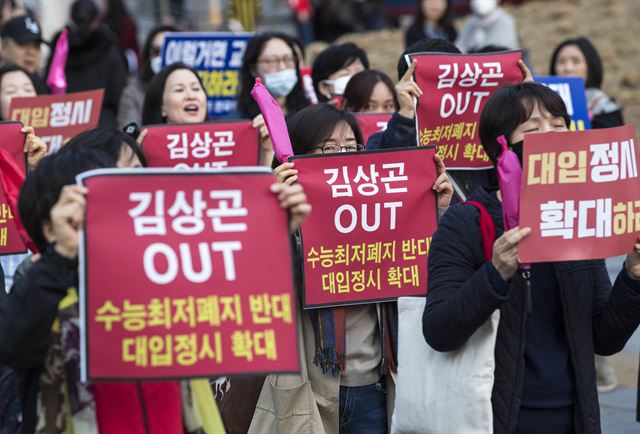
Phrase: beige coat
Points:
(305, 403)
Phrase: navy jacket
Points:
(461, 298)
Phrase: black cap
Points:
(22, 29)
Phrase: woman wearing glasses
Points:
(272, 58)
(351, 397)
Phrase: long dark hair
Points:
(146, 73)
(512, 105)
(594, 64)
(247, 107)
(152, 106)
(359, 89)
(445, 22)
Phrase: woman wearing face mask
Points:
(272, 58)
(552, 318)
(371, 91)
(353, 391)
(577, 57)
(334, 67)
(433, 20)
(489, 24)
(130, 106)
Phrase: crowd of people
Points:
(557, 319)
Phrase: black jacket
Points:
(461, 298)
(94, 62)
(26, 317)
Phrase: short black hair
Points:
(247, 107)
(594, 63)
(10, 67)
(152, 105)
(334, 58)
(108, 140)
(512, 105)
(314, 124)
(359, 89)
(425, 46)
(41, 189)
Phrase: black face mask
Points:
(517, 149)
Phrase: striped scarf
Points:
(329, 327)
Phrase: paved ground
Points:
(618, 408)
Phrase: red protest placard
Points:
(580, 194)
(185, 274)
(456, 88)
(12, 149)
(58, 118)
(204, 145)
(368, 236)
(372, 123)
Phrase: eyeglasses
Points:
(273, 62)
(334, 149)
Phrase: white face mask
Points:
(339, 85)
(281, 83)
(156, 64)
(483, 7)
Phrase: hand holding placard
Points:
(442, 186)
(286, 173)
(527, 76)
(34, 147)
(505, 251)
(67, 216)
(633, 261)
(407, 89)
